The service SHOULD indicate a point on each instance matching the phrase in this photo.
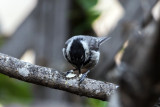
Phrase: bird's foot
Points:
(83, 76)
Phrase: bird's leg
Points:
(83, 77)
(70, 71)
(79, 71)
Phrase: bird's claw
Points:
(83, 77)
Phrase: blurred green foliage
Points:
(87, 4)
(12, 90)
(83, 15)
(2, 40)
(96, 103)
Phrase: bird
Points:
(82, 52)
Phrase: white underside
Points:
(95, 55)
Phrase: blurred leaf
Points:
(2, 40)
(97, 103)
(12, 90)
(83, 15)
(90, 13)
(1, 105)
(87, 4)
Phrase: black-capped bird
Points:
(83, 53)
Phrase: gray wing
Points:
(93, 42)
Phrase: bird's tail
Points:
(103, 39)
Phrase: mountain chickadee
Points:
(83, 53)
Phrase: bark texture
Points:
(54, 79)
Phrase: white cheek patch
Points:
(68, 48)
(63, 51)
(95, 55)
(85, 45)
(86, 48)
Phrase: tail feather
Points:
(103, 39)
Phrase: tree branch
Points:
(54, 79)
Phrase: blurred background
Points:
(35, 31)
